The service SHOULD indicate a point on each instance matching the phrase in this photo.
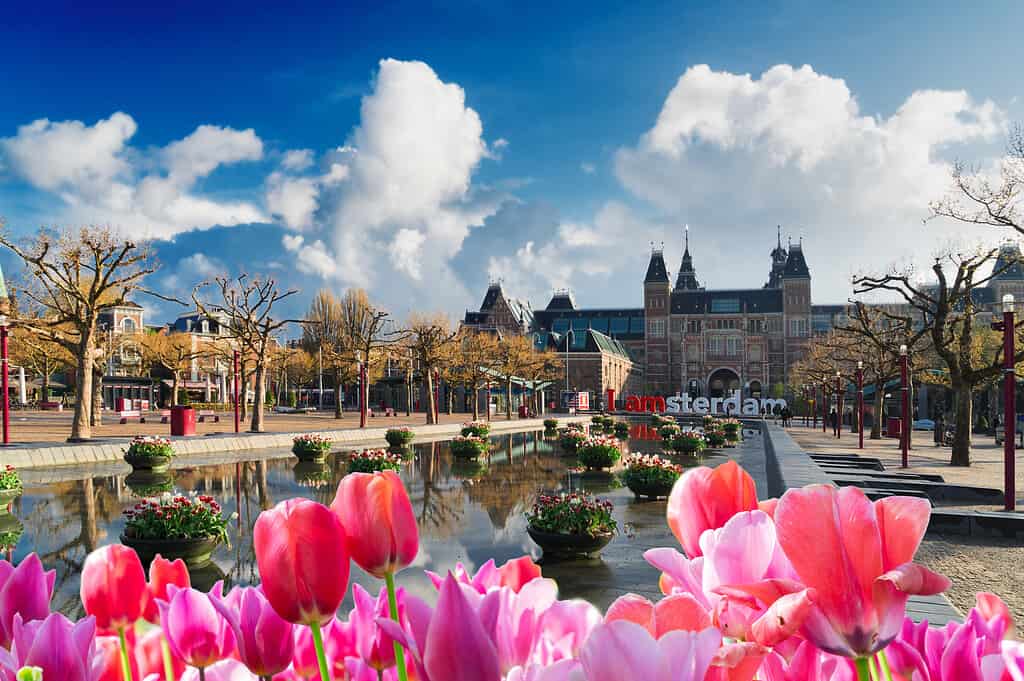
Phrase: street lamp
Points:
(860, 404)
(234, 383)
(568, 343)
(1009, 403)
(839, 404)
(905, 408)
(3, 362)
(362, 389)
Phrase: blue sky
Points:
(546, 144)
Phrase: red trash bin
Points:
(893, 426)
(183, 421)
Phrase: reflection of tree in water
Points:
(512, 484)
(437, 506)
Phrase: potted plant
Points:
(708, 421)
(731, 428)
(148, 483)
(311, 447)
(11, 530)
(468, 446)
(550, 424)
(149, 453)
(370, 460)
(399, 437)
(598, 452)
(656, 420)
(621, 429)
(669, 430)
(689, 442)
(571, 525)
(597, 419)
(715, 436)
(570, 439)
(468, 469)
(477, 428)
(648, 475)
(183, 527)
(314, 474)
(10, 488)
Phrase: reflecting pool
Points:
(467, 513)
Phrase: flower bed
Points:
(571, 524)
(148, 452)
(649, 475)
(477, 428)
(571, 438)
(550, 424)
(714, 436)
(175, 527)
(597, 452)
(399, 437)
(667, 431)
(689, 442)
(10, 487)
(370, 460)
(468, 446)
(311, 447)
(622, 429)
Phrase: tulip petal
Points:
(632, 608)
(783, 619)
(680, 612)
(621, 650)
(902, 522)
(457, 647)
(686, 655)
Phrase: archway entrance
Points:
(754, 389)
(722, 382)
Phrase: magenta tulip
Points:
(302, 560)
(195, 630)
(705, 499)
(375, 647)
(457, 647)
(857, 557)
(63, 650)
(225, 670)
(114, 587)
(377, 515)
(265, 641)
(25, 590)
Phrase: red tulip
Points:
(302, 560)
(517, 572)
(149, 656)
(114, 587)
(163, 572)
(705, 498)
(377, 515)
(108, 660)
(857, 556)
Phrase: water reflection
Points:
(466, 512)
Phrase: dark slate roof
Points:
(796, 265)
(758, 300)
(595, 342)
(475, 318)
(491, 297)
(545, 319)
(1009, 265)
(656, 270)
(562, 300)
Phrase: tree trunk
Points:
(243, 391)
(337, 394)
(430, 397)
(508, 399)
(961, 455)
(175, 387)
(96, 407)
(476, 403)
(81, 426)
(257, 403)
(451, 399)
(876, 423)
(46, 380)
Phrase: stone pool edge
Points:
(32, 455)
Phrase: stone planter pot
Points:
(399, 438)
(557, 545)
(654, 491)
(153, 464)
(6, 497)
(313, 455)
(311, 473)
(149, 483)
(192, 551)
(467, 451)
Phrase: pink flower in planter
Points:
(195, 630)
(62, 649)
(265, 641)
(857, 557)
(25, 590)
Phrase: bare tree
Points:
(980, 200)
(368, 331)
(174, 352)
(477, 352)
(325, 335)
(248, 305)
(948, 312)
(74, 275)
(513, 360)
(430, 338)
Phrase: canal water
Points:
(466, 513)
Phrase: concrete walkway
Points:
(46, 455)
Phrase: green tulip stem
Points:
(863, 669)
(389, 579)
(883, 664)
(321, 657)
(165, 650)
(126, 666)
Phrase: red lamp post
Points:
(824, 406)
(234, 384)
(362, 389)
(860, 404)
(904, 408)
(814, 406)
(1009, 404)
(839, 404)
(5, 368)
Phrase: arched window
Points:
(128, 325)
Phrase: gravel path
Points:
(978, 565)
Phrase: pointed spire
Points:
(686, 243)
(778, 232)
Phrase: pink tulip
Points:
(339, 643)
(486, 578)
(195, 631)
(1013, 659)
(265, 641)
(377, 515)
(705, 498)
(63, 650)
(857, 557)
(374, 646)
(25, 590)
(512, 620)
(562, 630)
(680, 612)
(358, 670)
(149, 656)
(457, 646)
(114, 587)
(108, 660)
(225, 670)
(302, 560)
(565, 670)
(162, 573)
(807, 664)
(622, 650)
(517, 572)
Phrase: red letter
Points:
(610, 400)
(632, 403)
(653, 404)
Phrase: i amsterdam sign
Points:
(684, 404)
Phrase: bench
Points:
(208, 413)
(131, 414)
(388, 411)
(165, 415)
(57, 406)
